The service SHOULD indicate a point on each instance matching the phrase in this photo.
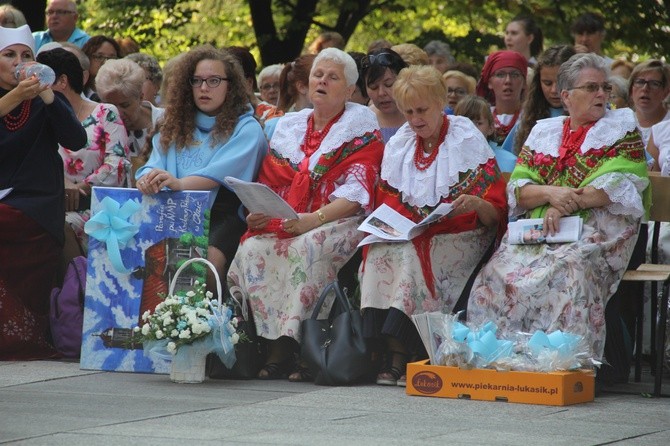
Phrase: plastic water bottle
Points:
(43, 72)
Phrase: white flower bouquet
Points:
(193, 319)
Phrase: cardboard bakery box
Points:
(552, 389)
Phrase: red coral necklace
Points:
(501, 129)
(571, 142)
(314, 138)
(13, 123)
(423, 162)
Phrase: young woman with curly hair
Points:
(543, 99)
(208, 132)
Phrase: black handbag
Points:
(334, 348)
(247, 352)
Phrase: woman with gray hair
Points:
(588, 164)
(324, 162)
(268, 83)
(439, 54)
(120, 82)
(154, 75)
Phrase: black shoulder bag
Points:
(334, 348)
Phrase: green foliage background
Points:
(636, 30)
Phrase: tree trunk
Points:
(34, 12)
(273, 49)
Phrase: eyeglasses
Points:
(102, 58)
(212, 82)
(456, 91)
(58, 12)
(266, 87)
(653, 84)
(513, 75)
(592, 87)
(383, 59)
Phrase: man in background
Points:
(62, 19)
(589, 32)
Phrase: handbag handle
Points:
(173, 283)
(339, 295)
(243, 305)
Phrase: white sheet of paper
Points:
(258, 198)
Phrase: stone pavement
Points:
(55, 403)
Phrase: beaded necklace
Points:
(502, 130)
(423, 162)
(571, 142)
(13, 123)
(314, 138)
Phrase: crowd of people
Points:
(535, 133)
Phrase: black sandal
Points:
(395, 369)
(301, 374)
(271, 370)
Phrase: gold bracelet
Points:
(321, 215)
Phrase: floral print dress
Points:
(104, 160)
(549, 287)
(430, 274)
(283, 275)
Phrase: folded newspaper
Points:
(258, 198)
(529, 231)
(386, 224)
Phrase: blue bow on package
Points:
(467, 348)
(111, 226)
(556, 351)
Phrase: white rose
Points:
(235, 321)
(146, 315)
(159, 334)
(197, 329)
(190, 293)
(186, 334)
(209, 294)
(171, 347)
(136, 329)
(235, 338)
(145, 329)
(174, 333)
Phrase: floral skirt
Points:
(391, 276)
(283, 278)
(561, 286)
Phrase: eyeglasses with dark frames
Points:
(652, 83)
(212, 82)
(592, 87)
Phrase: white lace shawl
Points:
(289, 134)
(622, 189)
(356, 121)
(464, 148)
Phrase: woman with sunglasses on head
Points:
(34, 120)
(502, 84)
(324, 162)
(208, 132)
(99, 50)
(589, 164)
(379, 70)
(432, 159)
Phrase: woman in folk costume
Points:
(432, 159)
(324, 162)
(592, 164)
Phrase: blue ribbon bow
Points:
(111, 226)
(563, 343)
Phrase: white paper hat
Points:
(17, 36)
